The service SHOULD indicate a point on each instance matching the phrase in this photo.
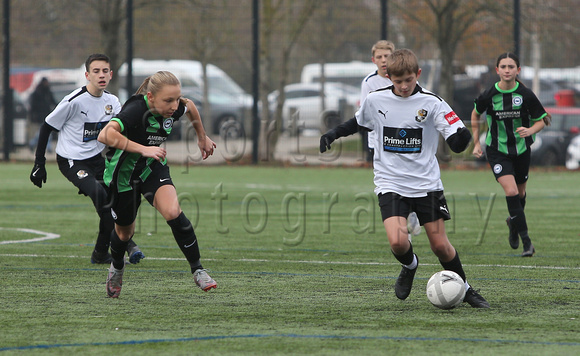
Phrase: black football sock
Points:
(407, 258)
(518, 218)
(186, 240)
(455, 266)
(118, 248)
(523, 201)
(106, 225)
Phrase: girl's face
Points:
(165, 101)
(507, 70)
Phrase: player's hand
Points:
(155, 152)
(477, 151)
(326, 140)
(38, 174)
(206, 147)
(524, 131)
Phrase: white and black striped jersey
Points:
(79, 118)
(372, 82)
(407, 134)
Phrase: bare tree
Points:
(290, 18)
(451, 21)
(208, 33)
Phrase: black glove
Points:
(326, 140)
(38, 174)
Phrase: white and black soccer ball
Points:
(445, 289)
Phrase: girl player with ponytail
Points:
(136, 165)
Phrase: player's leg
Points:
(394, 210)
(521, 171)
(124, 211)
(83, 175)
(433, 211)
(505, 170)
(166, 202)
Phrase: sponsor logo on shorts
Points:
(497, 168)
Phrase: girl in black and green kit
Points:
(514, 115)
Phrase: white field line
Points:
(351, 263)
(43, 236)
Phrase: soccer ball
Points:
(445, 290)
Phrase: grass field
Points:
(302, 264)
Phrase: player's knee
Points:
(443, 250)
(124, 232)
(400, 245)
(172, 213)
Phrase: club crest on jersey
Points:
(168, 123)
(421, 115)
(517, 101)
(108, 109)
(82, 174)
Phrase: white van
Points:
(351, 73)
(189, 73)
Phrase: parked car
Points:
(304, 98)
(190, 74)
(227, 113)
(551, 144)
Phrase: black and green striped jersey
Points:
(506, 110)
(139, 125)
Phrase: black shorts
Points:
(502, 164)
(126, 204)
(87, 176)
(430, 208)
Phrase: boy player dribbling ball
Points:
(407, 120)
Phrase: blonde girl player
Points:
(136, 165)
(514, 115)
(408, 120)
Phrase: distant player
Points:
(407, 120)
(514, 115)
(374, 81)
(78, 119)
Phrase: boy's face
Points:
(99, 74)
(380, 59)
(405, 84)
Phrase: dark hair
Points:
(508, 55)
(95, 57)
